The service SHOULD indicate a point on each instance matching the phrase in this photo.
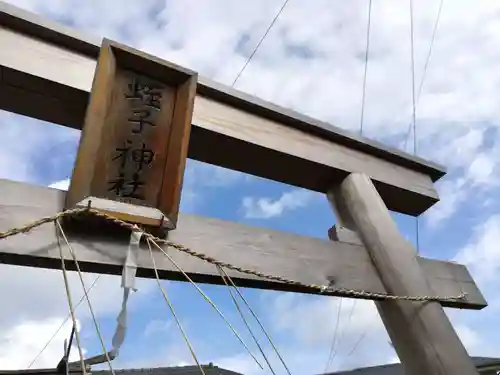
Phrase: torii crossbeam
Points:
(50, 72)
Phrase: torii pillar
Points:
(422, 334)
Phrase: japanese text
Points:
(134, 156)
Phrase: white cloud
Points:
(469, 337)
(22, 288)
(457, 114)
(452, 194)
(201, 179)
(312, 322)
(20, 344)
(266, 208)
(300, 316)
(157, 327)
(481, 169)
(241, 363)
(198, 173)
(198, 178)
(28, 155)
(482, 253)
(45, 289)
(456, 107)
(455, 88)
(29, 146)
(475, 169)
(61, 185)
(171, 355)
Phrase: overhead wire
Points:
(365, 76)
(342, 332)
(208, 299)
(414, 102)
(80, 276)
(367, 54)
(62, 325)
(426, 66)
(260, 42)
(333, 352)
(355, 347)
(257, 320)
(237, 305)
(71, 307)
(413, 122)
(172, 310)
(414, 110)
(414, 116)
(414, 107)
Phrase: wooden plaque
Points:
(134, 142)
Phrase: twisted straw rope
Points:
(321, 288)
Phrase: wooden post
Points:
(422, 334)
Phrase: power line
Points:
(414, 107)
(415, 103)
(260, 42)
(334, 341)
(356, 345)
(341, 336)
(414, 116)
(367, 52)
(417, 234)
(62, 324)
(426, 66)
(414, 112)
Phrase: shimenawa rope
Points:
(319, 288)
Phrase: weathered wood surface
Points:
(133, 146)
(46, 73)
(421, 332)
(305, 259)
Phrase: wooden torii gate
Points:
(50, 72)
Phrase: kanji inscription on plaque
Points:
(135, 137)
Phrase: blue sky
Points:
(457, 125)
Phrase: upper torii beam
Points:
(230, 129)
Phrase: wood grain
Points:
(422, 334)
(173, 175)
(32, 25)
(82, 180)
(119, 135)
(229, 129)
(135, 135)
(305, 259)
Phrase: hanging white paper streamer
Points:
(128, 283)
